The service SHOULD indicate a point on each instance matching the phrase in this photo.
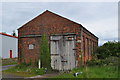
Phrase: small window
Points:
(31, 46)
(70, 38)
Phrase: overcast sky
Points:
(101, 18)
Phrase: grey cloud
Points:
(99, 18)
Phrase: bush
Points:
(108, 49)
(22, 65)
(107, 54)
(29, 69)
(103, 62)
(112, 60)
(38, 71)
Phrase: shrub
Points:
(29, 69)
(103, 62)
(45, 53)
(108, 49)
(36, 63)
(112, 60)
(38, 71)
(20, 66)
(107, 54)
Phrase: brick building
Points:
(70, 42)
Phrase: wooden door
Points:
(62, 52)
(55, 50)
(68, 52)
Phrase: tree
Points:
(108, 49)
(45, 57)
(107, 54)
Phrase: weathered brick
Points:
(51, 23)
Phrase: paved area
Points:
(6, 75)
(7, 67)
(45, 75)
(16, 77)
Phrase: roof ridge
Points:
(61, 17)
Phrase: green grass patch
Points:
(22, 74)
(92, 72)
(26, 71)
(9, 61)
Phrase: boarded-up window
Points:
(70, 38)
(31, 46)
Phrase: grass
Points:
(9, 61)
(23, 74)
(88, 72)
(25, 71)
(92, 72)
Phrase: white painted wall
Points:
(9, 43)
(0, 46)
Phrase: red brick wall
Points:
(88, 42)
(50, 23)
(27, 53)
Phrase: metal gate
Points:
(62, 52)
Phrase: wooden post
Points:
(39, 64)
